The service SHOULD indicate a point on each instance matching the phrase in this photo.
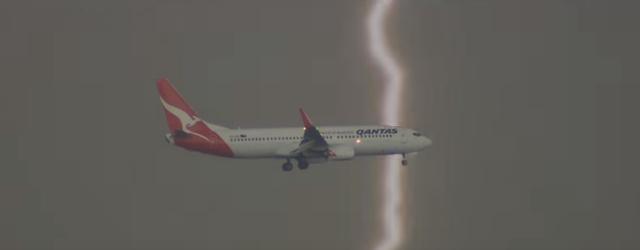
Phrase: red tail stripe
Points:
(172, 97)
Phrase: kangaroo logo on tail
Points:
(187, 129)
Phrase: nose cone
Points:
(424, 142)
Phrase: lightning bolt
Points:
(392, 194)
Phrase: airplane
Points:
(307, 144)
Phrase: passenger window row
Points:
(288, 138)
(282, 138)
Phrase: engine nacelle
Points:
(341, 153)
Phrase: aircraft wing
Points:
(312, 142)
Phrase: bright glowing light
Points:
(392, 189)
(358, 141)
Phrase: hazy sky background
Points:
(532, 106)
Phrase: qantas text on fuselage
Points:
(305, 145)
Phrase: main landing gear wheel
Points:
(405, 162)
(287, 166)
(303, 164)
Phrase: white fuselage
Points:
(365, 140)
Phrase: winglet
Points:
(305, 119)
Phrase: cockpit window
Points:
(416, 134)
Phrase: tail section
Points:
(178, 112)
(187, 129)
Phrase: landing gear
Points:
(405, 162)
(287, 166)
(303, 164)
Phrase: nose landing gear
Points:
(404, 161)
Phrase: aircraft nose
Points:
(424, 141)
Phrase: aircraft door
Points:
(403, 137)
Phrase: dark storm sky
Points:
(531, 105)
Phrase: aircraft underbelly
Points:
(258, 150)
(371, 149)
(281, 150)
